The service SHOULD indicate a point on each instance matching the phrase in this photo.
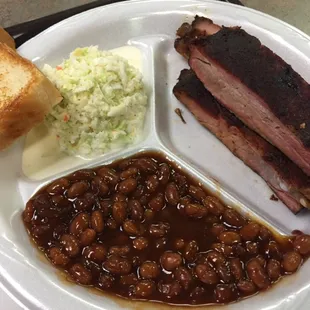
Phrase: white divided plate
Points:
(151, 26)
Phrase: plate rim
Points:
(126, 3)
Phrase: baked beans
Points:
(141, 228)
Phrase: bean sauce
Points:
(142, 229)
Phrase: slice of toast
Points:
(26, 96)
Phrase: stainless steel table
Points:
(294, 12)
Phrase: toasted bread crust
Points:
(6, 38)
(19, 114)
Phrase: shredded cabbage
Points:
(104, 102)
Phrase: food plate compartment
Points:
(29, 256)
(145, 45)
(200, 148)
